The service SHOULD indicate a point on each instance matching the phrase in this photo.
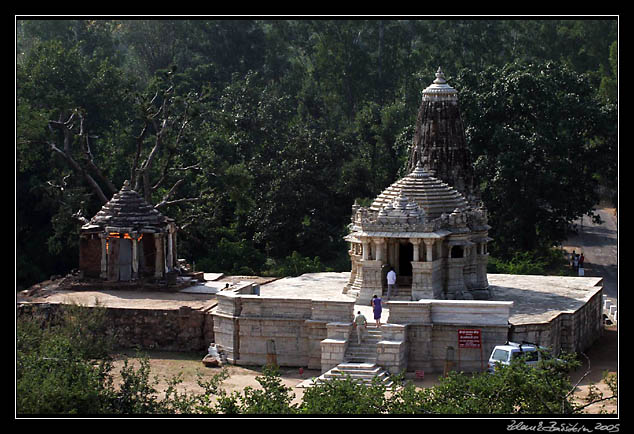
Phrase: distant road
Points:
(598, 243)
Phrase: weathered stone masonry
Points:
(180, 329)
(249, 327)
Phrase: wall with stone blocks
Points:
(254, 330)
(182, 329)
(431, 330)
(392, 350)
(573, 331)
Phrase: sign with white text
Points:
(469, 338)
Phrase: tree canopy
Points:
(257, 136)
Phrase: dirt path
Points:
(166, 365)
(599, 244)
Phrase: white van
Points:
(503, 354)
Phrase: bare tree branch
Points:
(172, 202)
(135, 173)
(66, 129)
(85, 143)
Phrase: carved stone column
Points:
(379, 244)
(104, 256)
(135, 256)
(429, 245)
(366, 249)
(159, 262)
(416, 253)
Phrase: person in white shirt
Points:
(360, 323)
(391, 283)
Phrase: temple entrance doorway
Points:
(405, 258)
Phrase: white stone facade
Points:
(429, 233)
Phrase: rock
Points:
(211, 362)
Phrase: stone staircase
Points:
(360, 360)
(404, 294)
(361, 372)
(365, 352)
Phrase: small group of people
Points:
(576, 262)
(360, 321)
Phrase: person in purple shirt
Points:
(377, 308)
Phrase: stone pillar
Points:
(371, 284)
(390, 251)
(416, 243)
(159, 263)
(455, 275)
(481, 279)
(170, 248)
(429, 245)
(379, 244)
(104, 257)
(135, 256)
(366, 249)
(422, 280)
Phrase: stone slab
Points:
(541, 298)
(535, 298)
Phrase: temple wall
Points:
(180, 329)
(573, 331)
(254, 330)
(432, 331)
(419, 335)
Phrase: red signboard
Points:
(469, 338)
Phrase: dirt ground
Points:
(603, 356)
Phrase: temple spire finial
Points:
(440, 77)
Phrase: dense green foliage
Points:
(258, 135)
(62, 367)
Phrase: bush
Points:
(234, 257)
(344, 396)
(295, 265)
(548, 262)
(56, 371)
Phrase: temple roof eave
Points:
(358, 235)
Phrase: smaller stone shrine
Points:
(127, 239)
(429, 233)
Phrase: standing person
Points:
(360, 322)
(391, 283)
(581, 271)
(377, 308)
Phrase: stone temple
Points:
(426, 225)
(127, 240)
(427, 230)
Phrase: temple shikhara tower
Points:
(439, 139)
(425, 225)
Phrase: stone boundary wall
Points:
(431, 332)
(573, 331)
(180, 329)
(254, 330)
(419, 335)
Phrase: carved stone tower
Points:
(439, 140)
(425, 225)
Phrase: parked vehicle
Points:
(504, 354)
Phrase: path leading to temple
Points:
(599, 244)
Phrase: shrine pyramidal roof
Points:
(127, 209)
(431, 195)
